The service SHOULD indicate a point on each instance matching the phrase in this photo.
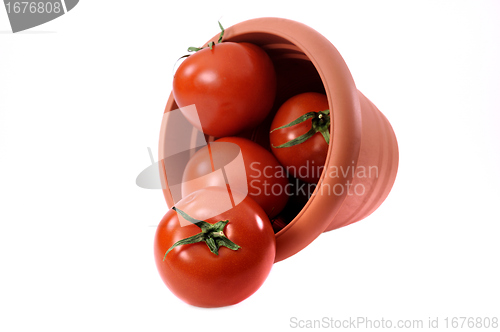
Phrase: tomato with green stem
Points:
(300, 135)
(232, 85)
(211, 253)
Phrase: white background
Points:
(81, 99)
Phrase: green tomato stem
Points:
(210, 44)
(212, 234)
(221, 33)
(320, 123)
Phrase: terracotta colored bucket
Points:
(362, 161)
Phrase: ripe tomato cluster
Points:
(217, 245)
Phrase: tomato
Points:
(197, 275)
(232, 85)
(306, 159)
(265, 178)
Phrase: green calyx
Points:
(211, 44)
(320, 123)
(212, 234)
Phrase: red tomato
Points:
(266, 179)
(198, 276)
(307, 159)
(233, 86)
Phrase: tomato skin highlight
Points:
(203, 279)
(233, 86)
(305, 160)
(266, 178)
